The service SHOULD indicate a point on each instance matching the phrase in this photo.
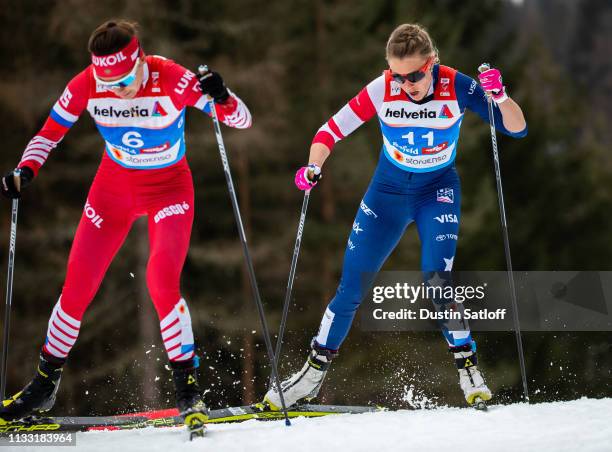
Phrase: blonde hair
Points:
(410, 39)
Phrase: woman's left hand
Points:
(212, 84)
(491, 82)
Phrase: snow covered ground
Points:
(580, 425)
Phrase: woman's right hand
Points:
(307, 176)
(12, 182)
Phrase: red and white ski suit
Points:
(143, 172)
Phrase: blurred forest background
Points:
(295, 63)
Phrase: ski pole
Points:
(9, 294)
(247, 257)
(296, 253)
(500, 196)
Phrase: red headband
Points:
(118, 63)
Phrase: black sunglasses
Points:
(412, 77)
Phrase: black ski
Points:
(258, 411)
(126, 422)
(68, 423)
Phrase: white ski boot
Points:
(470, 378)
(304, 384)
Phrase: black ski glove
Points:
(14, 181)
(212, 84)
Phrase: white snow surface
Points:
(579, 425)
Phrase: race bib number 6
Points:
(132, 139)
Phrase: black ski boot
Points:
(189, 396)
(39, 395)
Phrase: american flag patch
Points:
(445, 195)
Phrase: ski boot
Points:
(188, 395)
(304, 384)
(470, 378)
(39, 394)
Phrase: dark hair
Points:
(111, 36)
(408, 40)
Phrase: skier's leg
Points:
(170, 223)
(169, 235)
(103, 227)
(380, 222)
(437, 221)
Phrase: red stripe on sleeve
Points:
(52, 131)
(227, 108)
(334, 128)
(362, 105)
(34, 166)
(324, 138)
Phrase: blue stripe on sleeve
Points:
(57, 118)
